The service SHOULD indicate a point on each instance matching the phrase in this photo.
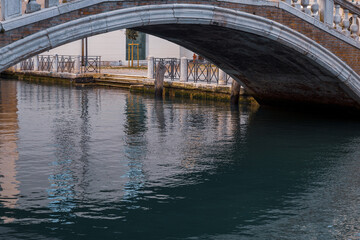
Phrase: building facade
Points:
(113, 48)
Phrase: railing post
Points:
(208, 73)
(327, 11)
(183, 69)
(77, 65)
(56, 63)
(51, 3)
(10, 9)
(36, 63)
(32, 6)
(150, 74)
(222, 77)
(100, 63)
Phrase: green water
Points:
(102, 163)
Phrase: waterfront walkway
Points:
(135, 80)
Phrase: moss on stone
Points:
(192, 91)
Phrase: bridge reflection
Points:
(135, 146)
(9, 154)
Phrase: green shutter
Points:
(141, 40)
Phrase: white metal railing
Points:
(202, 71)
(61, 64)
(186, 70)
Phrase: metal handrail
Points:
(202, 71)
(197, 71)
(172, 66)
(62, 63)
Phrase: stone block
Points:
(222, 77)
(184, 69)
(10, 9)
(150, 74)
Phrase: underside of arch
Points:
(274, 73)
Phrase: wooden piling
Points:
(235, 93)
(159, 79)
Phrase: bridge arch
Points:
(275, 63)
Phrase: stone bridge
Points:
(282, 52)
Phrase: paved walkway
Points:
(125, 71)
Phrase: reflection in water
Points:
(71, 136)
(135, 145)
(103, 163)
(160, 115)
(9, 191)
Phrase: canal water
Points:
(98, 163)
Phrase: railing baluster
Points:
(305, 4)
(32, 6)
(337, 18)
(346, 23)
(354, 28)
(315, 10)
(296, 4)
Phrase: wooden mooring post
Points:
(235, 93)
(159, 79)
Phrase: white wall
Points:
(73, 48)
(112, 47)
(186, 53)
(161, 48)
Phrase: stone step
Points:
(120, 80)
(124, 76)
(117, 85)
